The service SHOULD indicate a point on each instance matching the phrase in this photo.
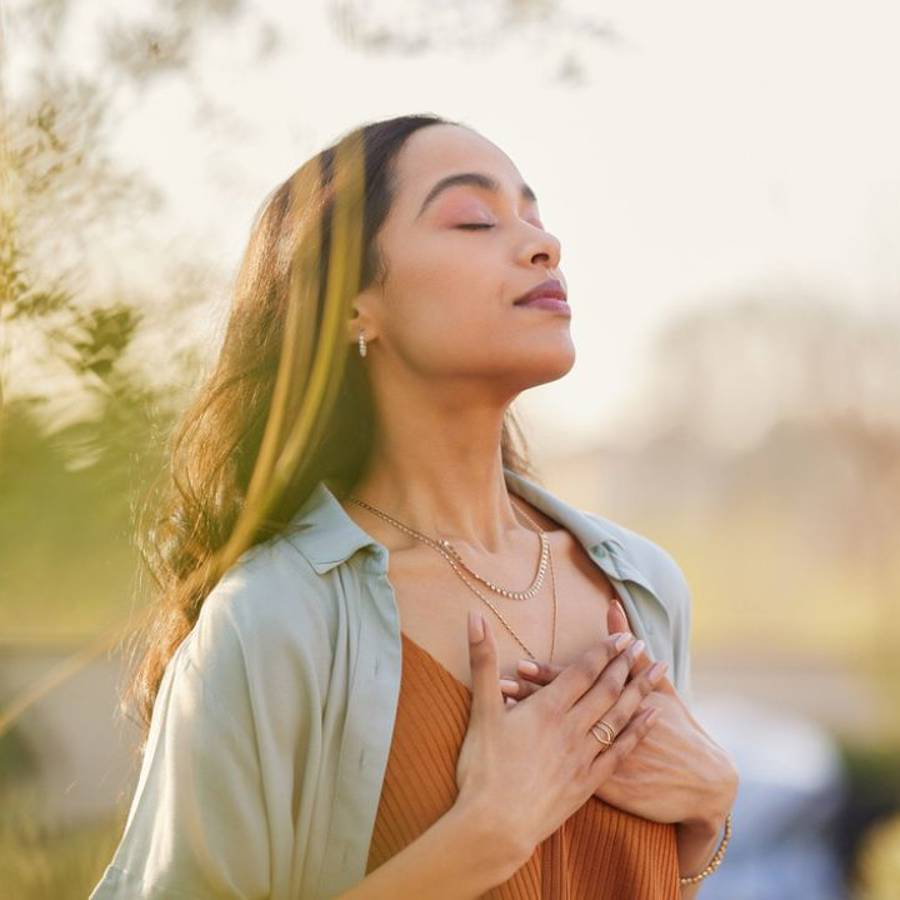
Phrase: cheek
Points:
(445, 326)
(451, 295)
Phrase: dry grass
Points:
(39, 863)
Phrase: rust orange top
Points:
(599, 853)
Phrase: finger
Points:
(630, 704)
(664, 685)
(616, 620)
(607, 760)
(487, 701)
(517, 689)
(631, 708)
(607, 697)
(544, 673)
(641, 664)
(577, 679)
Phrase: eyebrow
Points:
(474, 179)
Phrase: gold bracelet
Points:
(714, 862)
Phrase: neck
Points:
(446, 484)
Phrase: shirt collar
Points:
(327, 536)
(600, 539)
(324, 533)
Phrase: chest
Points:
(433, 604)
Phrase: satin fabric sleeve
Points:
(197, 826)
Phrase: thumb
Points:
(487, 698)
(616, 620)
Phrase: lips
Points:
(549, 288)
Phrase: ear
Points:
(363, 317)
(354, 326)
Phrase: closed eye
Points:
(479, 225)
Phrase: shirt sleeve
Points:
(678, 593)
(685, 614)
(198, 825)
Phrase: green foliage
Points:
(879, 862)
(17, 758)
(874, 770)
(67, 554)
(873, 778)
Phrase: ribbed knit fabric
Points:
(598, 853)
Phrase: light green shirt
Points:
(270, 733)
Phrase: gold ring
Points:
(610, 733)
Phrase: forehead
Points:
(433, 152)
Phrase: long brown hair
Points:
(284, 359)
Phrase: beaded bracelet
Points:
(714, 862)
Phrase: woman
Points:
(322, 718)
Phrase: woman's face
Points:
(445, 310)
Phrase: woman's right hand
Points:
(527, 767)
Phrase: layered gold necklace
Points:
(449, 552)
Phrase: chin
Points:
(550, 366)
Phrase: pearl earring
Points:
(362, 344)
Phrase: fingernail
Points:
(527, 666)
(657, 671)
(476, 627)
(622, 641)
(636, 647)
(509, 684)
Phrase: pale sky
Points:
(718, 147)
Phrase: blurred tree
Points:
(804, 392)
(735, 365)
(798, 397)
(82, 424)
(63, 196)
(411, 27)
(771, 427)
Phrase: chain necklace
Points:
(444, 546)
(452, 556)
(529, 592)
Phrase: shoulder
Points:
(267, 617)
(270, 587)
(651, 560)
(656, 570)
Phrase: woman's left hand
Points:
(678, 773)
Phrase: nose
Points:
(543, 244)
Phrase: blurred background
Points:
(725, 182)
